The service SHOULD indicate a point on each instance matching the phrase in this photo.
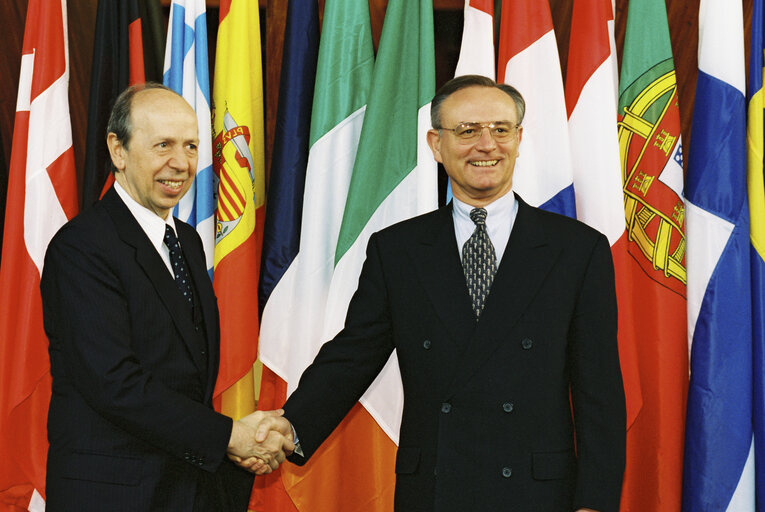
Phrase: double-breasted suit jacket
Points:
(522, 410)
(131, 425)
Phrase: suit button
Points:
(204, 352)
(507, 407)
(426, 344)
(196, 328)
(526, 343)
(446, 407)
(507, 472)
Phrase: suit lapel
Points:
(151, 263)
(439, 267)
(527, 260)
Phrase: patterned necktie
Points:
(182, 278)
(479, 261)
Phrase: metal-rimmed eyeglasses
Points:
(469, 133)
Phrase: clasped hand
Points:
(261, 441)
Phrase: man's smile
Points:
(173, 184)
(484, 163)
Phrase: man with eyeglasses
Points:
(503, 318)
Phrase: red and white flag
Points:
(477, 50)
(591, 102)
(42, 196)
(591, 99)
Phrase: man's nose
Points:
(486, 140)
(179, 160)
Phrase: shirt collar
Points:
(498, 209)
(151, 223)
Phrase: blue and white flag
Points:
(186, 72)
(719, 447)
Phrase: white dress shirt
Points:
(151, 223)
(500, 217)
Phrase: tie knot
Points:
(170, 238)
(478, 216)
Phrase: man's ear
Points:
(520, 137)
(434, 141)
(117, 151)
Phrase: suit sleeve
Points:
(345, 366)
(88, 324)
(596, 387)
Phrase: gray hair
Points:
(120, 122)
(465, 81)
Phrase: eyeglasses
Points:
(469, 133)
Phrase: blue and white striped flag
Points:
(719, 448)
(186, 72)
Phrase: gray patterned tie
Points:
(479, 261)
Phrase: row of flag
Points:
(350, 158)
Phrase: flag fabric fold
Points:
(281, 237)
(591, 101)
(42, 196)
(186, 72)
(293, 316)
(394, 175)
(239, 167)
(340, 210)
(477, 48)
(719, 475)
(652, 173)
(284, 204)
(528, 60)
(117, 63)
(756, 195)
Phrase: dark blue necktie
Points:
(479, 261)
(180, 271)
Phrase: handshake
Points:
(261, 441)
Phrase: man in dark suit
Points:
(503, 318)
(132, 321)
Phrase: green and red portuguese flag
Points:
(654, 271)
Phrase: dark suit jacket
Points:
(131, 425)
(490, 408)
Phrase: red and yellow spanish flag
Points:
(238, 161)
